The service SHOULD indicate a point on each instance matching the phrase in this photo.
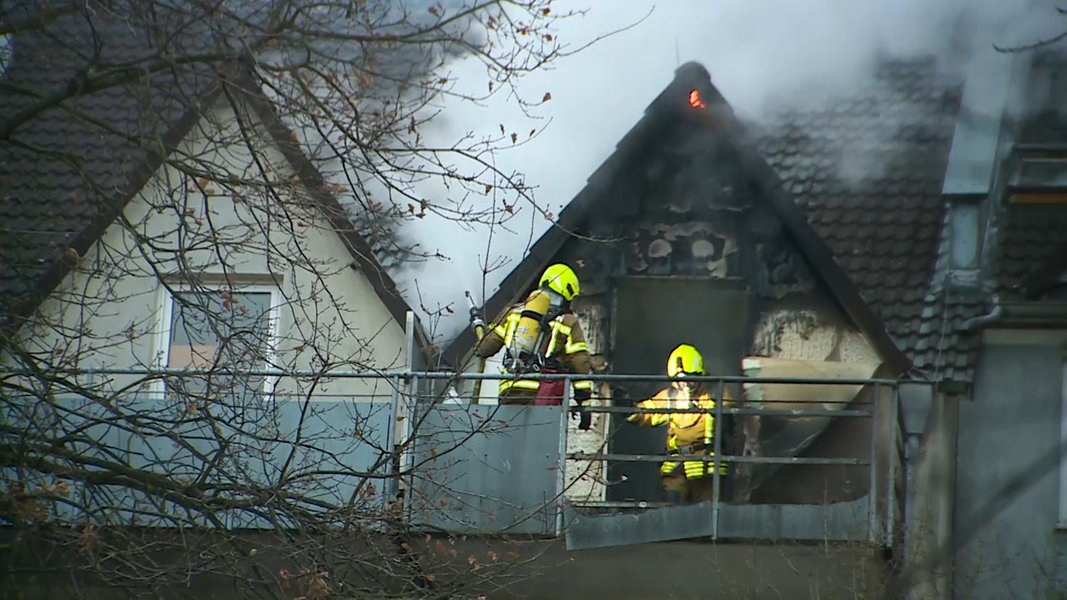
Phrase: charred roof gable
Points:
(701, 114)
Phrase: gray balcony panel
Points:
(488, 469)
(585, 531)
(833, 522)
(242, 450)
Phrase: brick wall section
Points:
(585, 479)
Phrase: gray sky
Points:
(763, 55)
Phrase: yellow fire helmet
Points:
(685, 360)
(561, 279)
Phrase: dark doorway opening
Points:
(652, 315)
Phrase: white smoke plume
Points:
(763, 55)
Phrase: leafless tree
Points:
(189, 185)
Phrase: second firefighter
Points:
(688, 433)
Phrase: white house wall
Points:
(329, 312)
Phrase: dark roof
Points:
(720, 116)
(1032, 253)
(68, 170)
(884, 228)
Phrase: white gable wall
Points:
(109, 312)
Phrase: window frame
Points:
(163, 339)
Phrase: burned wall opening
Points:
(658, 314)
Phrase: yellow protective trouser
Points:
(698, 490)
(516, 395)
(692, 468)
(517, 391)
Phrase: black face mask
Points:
(557, 306)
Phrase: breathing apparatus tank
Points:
(541, 306)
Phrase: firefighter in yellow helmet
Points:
(541, 334)
(688, 433)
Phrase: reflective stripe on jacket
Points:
(696, 430)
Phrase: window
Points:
(1038, 169)
(1045, 119)
(222, 334)
(966, 227)
(1039, 180)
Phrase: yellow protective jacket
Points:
(693, 433)
(566, 344)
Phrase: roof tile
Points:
(66, 164)
(1031, 237)
(885, 229)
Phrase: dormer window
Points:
(1044, 123)
(1039, 179)
(1038, 165)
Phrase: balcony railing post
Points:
(717, 449)
(893, 453)
(872, 492)
(408, 456)
(391, 487)
(561, 464)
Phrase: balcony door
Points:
(652, 315)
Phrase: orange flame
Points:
(695, 100)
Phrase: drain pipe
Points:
(987, 319)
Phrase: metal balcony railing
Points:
(458, 466)
(876, 517)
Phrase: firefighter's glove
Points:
(634, 416)
(585, 418)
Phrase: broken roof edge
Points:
(693, 75)
(312, 179)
